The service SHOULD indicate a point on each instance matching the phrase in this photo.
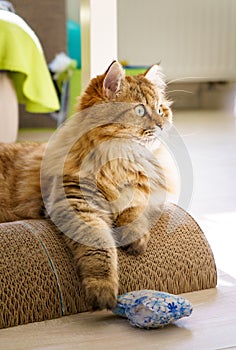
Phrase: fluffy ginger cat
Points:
(99, 181)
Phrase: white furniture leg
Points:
(98, 36)
(8, 110)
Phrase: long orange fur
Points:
(114, 196)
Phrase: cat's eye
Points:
(160, 111)
(140, 110)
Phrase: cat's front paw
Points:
(100, 293)
(138, 247)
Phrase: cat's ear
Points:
(113, 78)
(155, 75)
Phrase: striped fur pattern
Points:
(111, 182)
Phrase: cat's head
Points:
(145, 93)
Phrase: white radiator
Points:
(191, 38)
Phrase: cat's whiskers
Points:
(184, 79)
(186, 91)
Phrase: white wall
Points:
(189, 37)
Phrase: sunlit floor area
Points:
(210, 138)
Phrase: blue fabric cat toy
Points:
(152, 309)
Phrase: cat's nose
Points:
(158, 121)
(160, 125)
